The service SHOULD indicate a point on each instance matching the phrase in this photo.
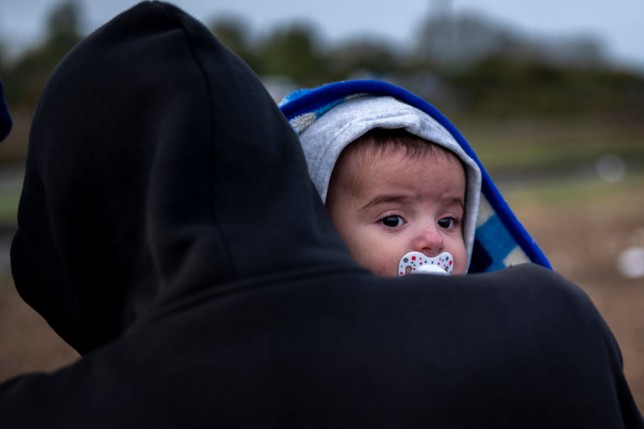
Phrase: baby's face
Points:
(385, 206)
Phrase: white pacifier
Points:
(418, 263)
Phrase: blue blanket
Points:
(500, 240)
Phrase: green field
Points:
(9, 196)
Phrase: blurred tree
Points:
(3, 58)
(26, 78)
(497, 70)
(63, 25)
(296, 51)
(455, 41)
(234, 32)
(466, 62)
(575, 51)
(365, 58)
(500, 85)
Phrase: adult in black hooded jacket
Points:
(168, 231)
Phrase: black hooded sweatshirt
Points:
(169, 232)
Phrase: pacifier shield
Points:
(417, 263)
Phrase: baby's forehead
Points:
(402, 181)
(370, 162)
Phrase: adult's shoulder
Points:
(530, 280)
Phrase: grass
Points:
(9, 197)
(540, 144)
(555, 192)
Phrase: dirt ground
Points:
(582, 238)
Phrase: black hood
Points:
(169, 231)
(134, 187)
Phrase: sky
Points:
(618, 24)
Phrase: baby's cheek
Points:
(388, 271)
(460, 256)
(459, 270)
(460, 264)
(380, 268)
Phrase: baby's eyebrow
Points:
(457, 201)
(385, 199)
(401, 199)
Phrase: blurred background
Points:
(549, 94)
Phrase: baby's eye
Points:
(392, 221)
(447, 222)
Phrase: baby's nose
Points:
(429, 241)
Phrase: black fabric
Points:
(169, 232)
(5, 117)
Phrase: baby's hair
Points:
(381, 142)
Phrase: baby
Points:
(400, 190)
